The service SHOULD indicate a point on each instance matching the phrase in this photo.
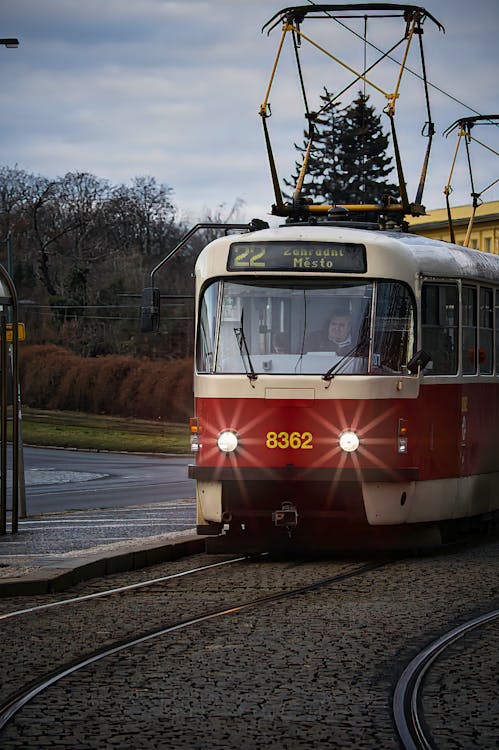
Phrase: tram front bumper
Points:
(300, 474)
(290, 497)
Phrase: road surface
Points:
(59, 480)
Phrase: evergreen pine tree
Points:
(322, 164)
(348, 161)
(361, 156)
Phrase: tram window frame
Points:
(393, 331)
(469, 330)
(486, 331)
(440, 328)
(277, 344)
(207, 328)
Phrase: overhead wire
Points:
(409, 70)
(79, 312)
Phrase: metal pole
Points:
(13, 43)
(10, 261)
(16, 396)
(15, 415)
(12, 301)
(3, 425)
(20, 467)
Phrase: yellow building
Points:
(484, 234)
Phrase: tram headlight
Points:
(349, 441)
(227, 441)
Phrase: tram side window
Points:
(393, 330)
(486, 332)
(205, 343)
(469, 340)
(439, 317)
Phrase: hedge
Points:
(55, 378)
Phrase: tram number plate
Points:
(294, 440)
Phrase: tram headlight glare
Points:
(227, 441)
(349, 441)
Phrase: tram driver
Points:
(336, 335)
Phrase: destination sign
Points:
(298, 256)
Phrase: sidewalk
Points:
(53, 552)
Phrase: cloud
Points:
(173, 88)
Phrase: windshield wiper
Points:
(329, 375)
(243, 348)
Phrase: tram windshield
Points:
(323, 327)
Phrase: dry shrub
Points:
(54, 378)
(159, 389)
(109, 375)
(42, 368)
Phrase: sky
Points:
(173, 88)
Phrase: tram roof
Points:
(416, 253)
(438, 258)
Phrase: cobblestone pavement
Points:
(464, 683)
(314, 671)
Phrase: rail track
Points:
(118, 589)
(407, 708)
(253, 649)
(16, 702)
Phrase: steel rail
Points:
(119, 589)
(406, 698)
(20, 699)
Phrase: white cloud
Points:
(173, 88)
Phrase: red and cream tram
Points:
(346, 388)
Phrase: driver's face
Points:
(339, 328)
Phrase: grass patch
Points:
(96, 432)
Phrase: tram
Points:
(304, 442)
(346, 380)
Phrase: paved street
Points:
(83, 503)
(60, 480)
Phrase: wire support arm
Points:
(273, 170)
(466, 123)
(264, 107)
(465, 126)
(429, 126)
(400, 170)
(298, 13)
(150, 298)
(359, 76)
(304, 166)
(292, 18)
(187, 237)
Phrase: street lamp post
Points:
(17, 449)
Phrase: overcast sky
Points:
(172, 89)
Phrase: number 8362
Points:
(294, 440)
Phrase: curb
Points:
(50, 580)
